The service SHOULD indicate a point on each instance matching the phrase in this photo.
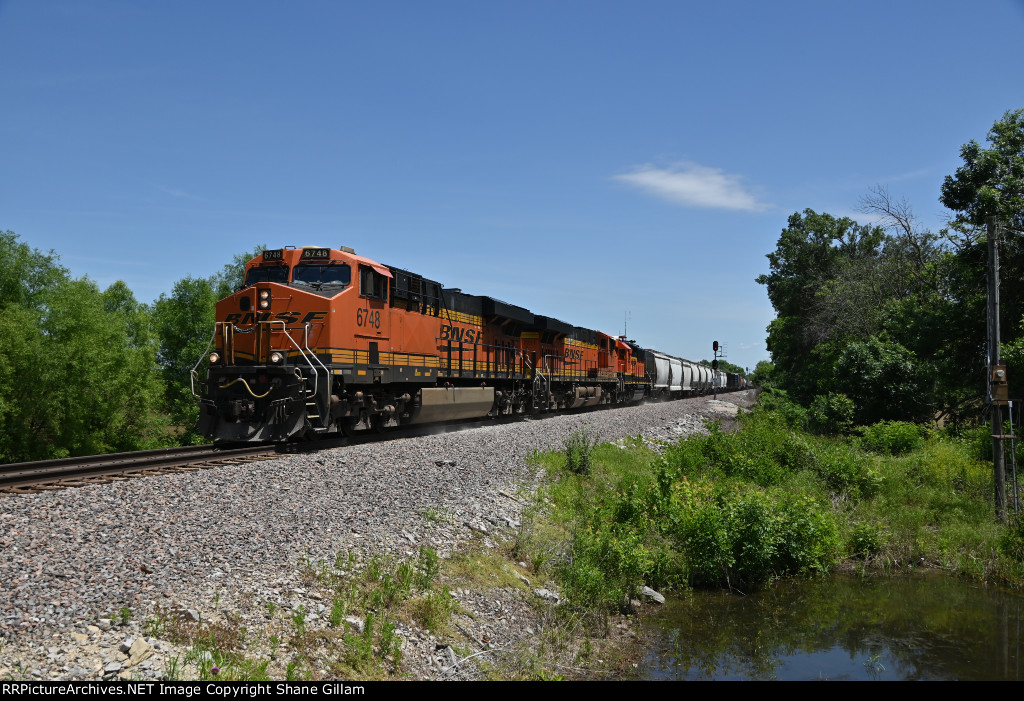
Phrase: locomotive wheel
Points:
(347, 426)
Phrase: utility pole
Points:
(998, 392)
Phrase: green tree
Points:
(826, 283)
(26, 273)
(763, 375)
(229, 280)
(884, 380)
(184, 322)
(725, 366)
(77, 376)
(991, 180)
(865, 313)
(991, 183)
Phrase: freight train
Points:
(320, 340)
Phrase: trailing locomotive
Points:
(321, 340)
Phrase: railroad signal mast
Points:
(714, 366)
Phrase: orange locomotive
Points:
(321, 340)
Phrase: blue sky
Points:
(586, 160)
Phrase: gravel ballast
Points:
(76, 562)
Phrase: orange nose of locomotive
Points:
(269, 376)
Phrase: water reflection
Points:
(844, 627)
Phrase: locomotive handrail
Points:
(193, 375)
(327, 373)
(517, 360)
(316, 373)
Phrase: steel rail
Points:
(68, 472)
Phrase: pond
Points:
(931, 627)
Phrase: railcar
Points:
(320, 340)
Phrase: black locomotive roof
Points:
(495, 307)
(546, 323)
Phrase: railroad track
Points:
(76, 472)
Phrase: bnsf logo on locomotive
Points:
(286, 317)
(574, 354)
(453, 333)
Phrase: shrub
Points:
(866, 540)
(699, 527)
(845, 471)
(831, 414)
(745, 536)
(893, 437)
(778, 401)
(809, 540)
(1011, 544)
(606, 565)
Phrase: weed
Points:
(359, 647)
(374, 569)
(390, 644)
(172, 669)
(299, 619)
(873, 664)
(224, 664)
(124, 616)
(338, 611)
(578, 449)
(271, 608)
(405, 576)
(441, 515)
(155, 626)
(427, 568)
(344, 561)
(294, 672)
(434, 609)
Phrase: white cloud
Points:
(693, 185)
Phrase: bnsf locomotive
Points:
(321, 340)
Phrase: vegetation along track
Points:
(75, 472)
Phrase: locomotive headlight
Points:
(264, 304)
(214, 358)
(264, 294)
(276, 358)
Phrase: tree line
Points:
(887, 321)
(86, 371)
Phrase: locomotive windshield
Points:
(322, 274)
(266, 273)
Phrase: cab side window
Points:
(372, 284)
